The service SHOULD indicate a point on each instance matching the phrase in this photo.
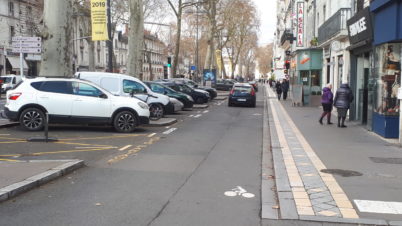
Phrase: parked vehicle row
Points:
(98, 98)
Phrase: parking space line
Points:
(4, 134)
(94, 145)
(205, 111)
(105, 137)
(8, 160)
(169, 131)
(70, 151)
(197, 116)
(152, 134)
(125, 147)
(12, 142)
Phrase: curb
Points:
(200, 106)
(169, 121)
(7, 125)
(287, 209)
(15, 189)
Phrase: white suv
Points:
(68, 100)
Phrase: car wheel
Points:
(199, 100)
(125, 122)
(32, 119)
(156, 112)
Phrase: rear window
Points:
(6, 79)
(242, 89)
(53, 87)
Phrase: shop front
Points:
(308, 72)
(387, 71)
(361, 56)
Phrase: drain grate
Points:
(342, 173)
(386, 160)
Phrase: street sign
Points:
(27, 50)
(26, 44)
(27, 39)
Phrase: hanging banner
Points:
(300, 24)
(99, 20)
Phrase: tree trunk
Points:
(91, 55)
(136, 38)
(57, 38)
(209, 59)
(178, 37)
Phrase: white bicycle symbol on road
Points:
(239, 191)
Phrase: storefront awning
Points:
(15, 63)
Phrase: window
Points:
(12, 32)
(132, 86)
(324, 13)
(83, 89)
(157, 88)
(53, 87)
(11, 8)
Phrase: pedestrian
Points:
(327, 101)
(285, 88)
(343, 98)
(278, 87)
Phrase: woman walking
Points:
(326, 101)
(278, 87)
(343, 98)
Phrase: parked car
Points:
(212, 92)
(72, 101)
(242, 94)
(187, 100)
(9, 82)
(178, 105)
(199, 96)
(225, 85)
(124, 85)
(254, 84)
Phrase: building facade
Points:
(19, 18)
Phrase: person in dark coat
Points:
(327, 101)
(278, 88)
(343, 98)
(285, 88)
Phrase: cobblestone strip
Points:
(315, 193)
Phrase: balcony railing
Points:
(334, 26)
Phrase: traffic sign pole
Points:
(21, 62)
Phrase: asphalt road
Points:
(158, 176)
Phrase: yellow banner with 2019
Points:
(99, 20)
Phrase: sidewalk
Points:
(17, 177)
(331, 174)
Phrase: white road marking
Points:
(190, 116)
(95, 147)
(4, 134)
(239, 191)
(205, 111)
(169, 131)
(167, 127)
(152, 134)
(379, 207)
(197, 116)
(125, 147)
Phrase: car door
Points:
(89, 102)
(56, 97)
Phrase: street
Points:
(168, 176)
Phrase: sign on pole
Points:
(23, 45)
(99, 20)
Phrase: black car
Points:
(199, 97)
(186, 99)
(242, 94)
(212, 92)
(225, 85)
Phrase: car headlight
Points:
(143, 105)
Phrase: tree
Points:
(56, 36)
(136, 38)
(178, 8)
(264, 58)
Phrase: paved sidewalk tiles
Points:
(301, 185)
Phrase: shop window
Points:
(389, 70)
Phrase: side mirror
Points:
(195, 86)
(103, 96)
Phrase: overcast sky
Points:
(267, 12)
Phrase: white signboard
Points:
(26, 44)
(300, 24)
(27, 50)
(27, 39)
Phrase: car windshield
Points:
(185, 88)
(6, 79)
